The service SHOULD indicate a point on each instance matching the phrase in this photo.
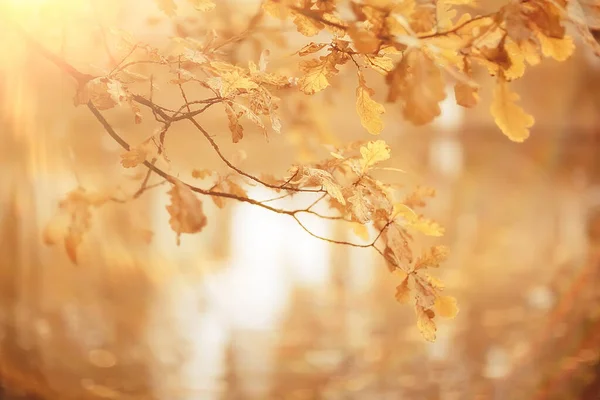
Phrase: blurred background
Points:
(253, 307)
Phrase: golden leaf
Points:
(203, 5)
(445, 306)
(517, 60)
(315, 78)
(185, 210)
(403, 292)
(237, 130)
(381, 64)
(559, 49)
(466, 95)
(531, 52)
(510, 118)
(232, 81)
(373, 153)
(368, 109)
(425, 324)
(418, 83)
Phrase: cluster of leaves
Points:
(417, 46)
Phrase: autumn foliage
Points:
(414, 49)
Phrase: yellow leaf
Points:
(403, 292)
(167, 6)
(381, 64)
(531, 52)
(361, 231)
(559, 49)
(445, 306)
(466, 95)
(315, 77)
(510, 118)
(368, 109)
(203, 5)
(374, 152)
(185, 210)
(425, 324)
(517, 60)
(232, 81)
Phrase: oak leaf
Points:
(510, 118)
(466, 95)
(315, 75)
(368, 109)
(425, 323)
(559, 49)
(233, 81)
(418, 83)
(373, 153)
(185, 210)
(403, 292)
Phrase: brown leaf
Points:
(185, 210)
(237, 130)
(418, 83)
(403, 292)
(466, 95)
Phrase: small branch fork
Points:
(169, 117)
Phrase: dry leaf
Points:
(237, 130)
(510, 118)
(368, 109)
(466, 95)
(418, 83)
(185, 210)
(425, 324)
